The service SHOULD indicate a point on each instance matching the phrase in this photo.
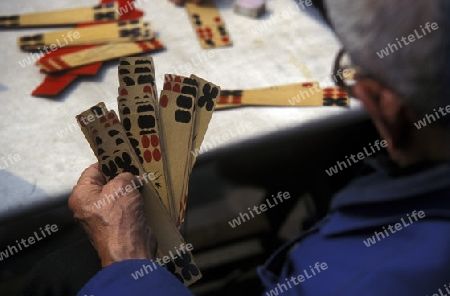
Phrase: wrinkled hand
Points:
(117, 229)
(181, 2)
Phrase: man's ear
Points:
(388, 112)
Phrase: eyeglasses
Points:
(345, 74)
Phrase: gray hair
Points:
(420, 71)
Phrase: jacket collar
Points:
(391, 185)
(387, 196)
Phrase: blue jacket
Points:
(386, 234)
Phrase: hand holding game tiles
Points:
(115, 155)
(154, 137)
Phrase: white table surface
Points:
(291, 45)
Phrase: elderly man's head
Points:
(402, 47)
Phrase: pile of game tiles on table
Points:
(153, 139)
(110, 30)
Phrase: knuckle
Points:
(114, 183)
(123, 186)
(118, 183)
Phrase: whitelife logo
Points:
(342, 165)
(11, 250)
(398, 226)
(423, 123)
(85, 121)
(313, 271)
(411, 38)
(162, 261)
(311, 91)
(277, 18)
(263, 207)
(53, 47)
(218, 140)
(146, 177)
(8, 161)
(447, 288)
(195, 61)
